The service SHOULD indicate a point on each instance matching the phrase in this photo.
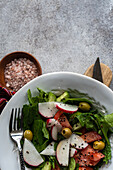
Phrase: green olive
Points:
(28, 135)
(66, 132)
(84, 106)
(99, 145)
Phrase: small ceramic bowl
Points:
(16, 55)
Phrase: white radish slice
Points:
(73, 152)
(62, 152)
(54, 132)
(77, 142)
(51, 122)
(49, 150)
(47, 109)
(67, 108)
(30, 154)
(58, 125)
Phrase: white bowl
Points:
(59, 80)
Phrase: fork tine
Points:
(21, 123)
(19, 120)
(15, 120)
(11, 120)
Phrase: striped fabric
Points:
(5, 96)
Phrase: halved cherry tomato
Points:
(85, 168)
(91, 136)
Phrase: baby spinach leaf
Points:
(40, 135)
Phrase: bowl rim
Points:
(65, 72)
(72, 73)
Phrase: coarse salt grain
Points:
(19, 72)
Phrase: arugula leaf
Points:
(107, 153)
(103, 126)
(39, 98)
(43, 96)
(96, 105)
(29, 96)
(45, 131)
(87, 121)
(73, 118)
(76, 100)
(109, 119)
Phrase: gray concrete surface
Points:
(64, 35)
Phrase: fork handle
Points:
(21, 160)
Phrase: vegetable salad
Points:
(69, 130)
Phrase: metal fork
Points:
(16, 131)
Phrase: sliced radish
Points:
(67, 108)
(77, 142)
(58, 125)
(51, 122)
(62, 152)
(47, 109)
(30, 154)
(54, 132)
(49, 150)
(73, 152)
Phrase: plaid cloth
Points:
(5, 96)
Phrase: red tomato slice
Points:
(91, 136)
(64, 121)
(96, 156)
(85, 168)
(88, 157)
(58, 114)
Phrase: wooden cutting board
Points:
(106, 73)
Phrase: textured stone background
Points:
(64, 35)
